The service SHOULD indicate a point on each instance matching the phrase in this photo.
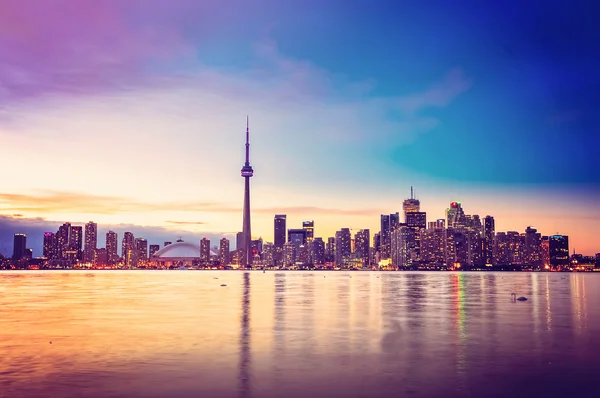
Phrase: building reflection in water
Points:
(279, 325)
(245, 349)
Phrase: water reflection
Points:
(156, 334)
(245, 349)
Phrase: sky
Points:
(132, 114)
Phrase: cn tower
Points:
(247, 172)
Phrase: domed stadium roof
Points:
(180, 250)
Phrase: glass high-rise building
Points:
(309, 227)
(297, 236)
(19, 246)
(224, 251)
(410, 205)
(559, 251)
(127, 244)
(76, 242)
(111, 247)
(49, 245)
(489, 229)
(279, 230)
(91, 241)
(141, 245)
(153, 249)
(205, 250)
(63, 237)
(342, 246)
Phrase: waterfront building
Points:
(153, 250)
(297, 236)
(224, 251)
(76, 242)
(49, 245)
(411, 205)
(19, 246)
(111, 247)
(309, 227)
(342, 246)
(141, 245)
(127, 243)
(489, 230)
(91, 241)
(559, 251)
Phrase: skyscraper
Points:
(385, 236)
(126, 244)
(559, 251)
(454, 215)
(76, 242)
(141, 246)
(362, 241)
(309, 227)
(49, 245)
(63, 237)
(411, 205)
(330, 250)
(204, 250)
(91, 241)
(111, 247)
(488, 239)
(342, 247)
(533, 248)
(279, 230)
(318, 251)
(224, 251)
(247, 173)
(19, 246)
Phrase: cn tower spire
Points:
(247, 172)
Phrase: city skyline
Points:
(144, 132)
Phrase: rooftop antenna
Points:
(411, 192)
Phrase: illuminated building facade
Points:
(342, 246)
(454, 215)
(362, 241)
(141, 245)
(224, 251)
(440, 223)
(268, 254)
(489, 229)
(545, 252)
(63, 237)
(279, 230)
(127, 244)
(433, 247)
(411, 205)
(205, 250)
(111, 247)
(100, 256)
(297, 236)
(559, 251)
(309, 227)
(49, 245)
(532, 251)
(417, 221)
(289, 254)
(317, 250)
(91, 241)
(19, 246)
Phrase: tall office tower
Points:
(433, 247)
(63, 237)
(516, 244)
(127, 243)
(545, 251)
(403, 246)
(394, 221)
(19, 246)
(318, 251)
(167, 244)
(49, 245)
(279, 230)
(309, 227)
(501, 253)
(330, 250)
(289, 254)
(76, 242)
(532, 253)
(131, 256)
(342, 247)
(153, 250)
(377, 242)
(362, 240)
(302, 254)
(205, 250)
(247, 173)
(91, 241)
(239, 241)
(385, 236)
(559, 251)
(111, 247)
(224, 251)
(461, 247)
(475, 249)
(454, 215)
(411, 205)
(488, 239)
(297, 236)
(417, 220)
(141, 245)
(472, 223)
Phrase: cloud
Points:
(186, 222)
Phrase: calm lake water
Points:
(298, 334)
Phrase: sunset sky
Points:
(133, 112)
